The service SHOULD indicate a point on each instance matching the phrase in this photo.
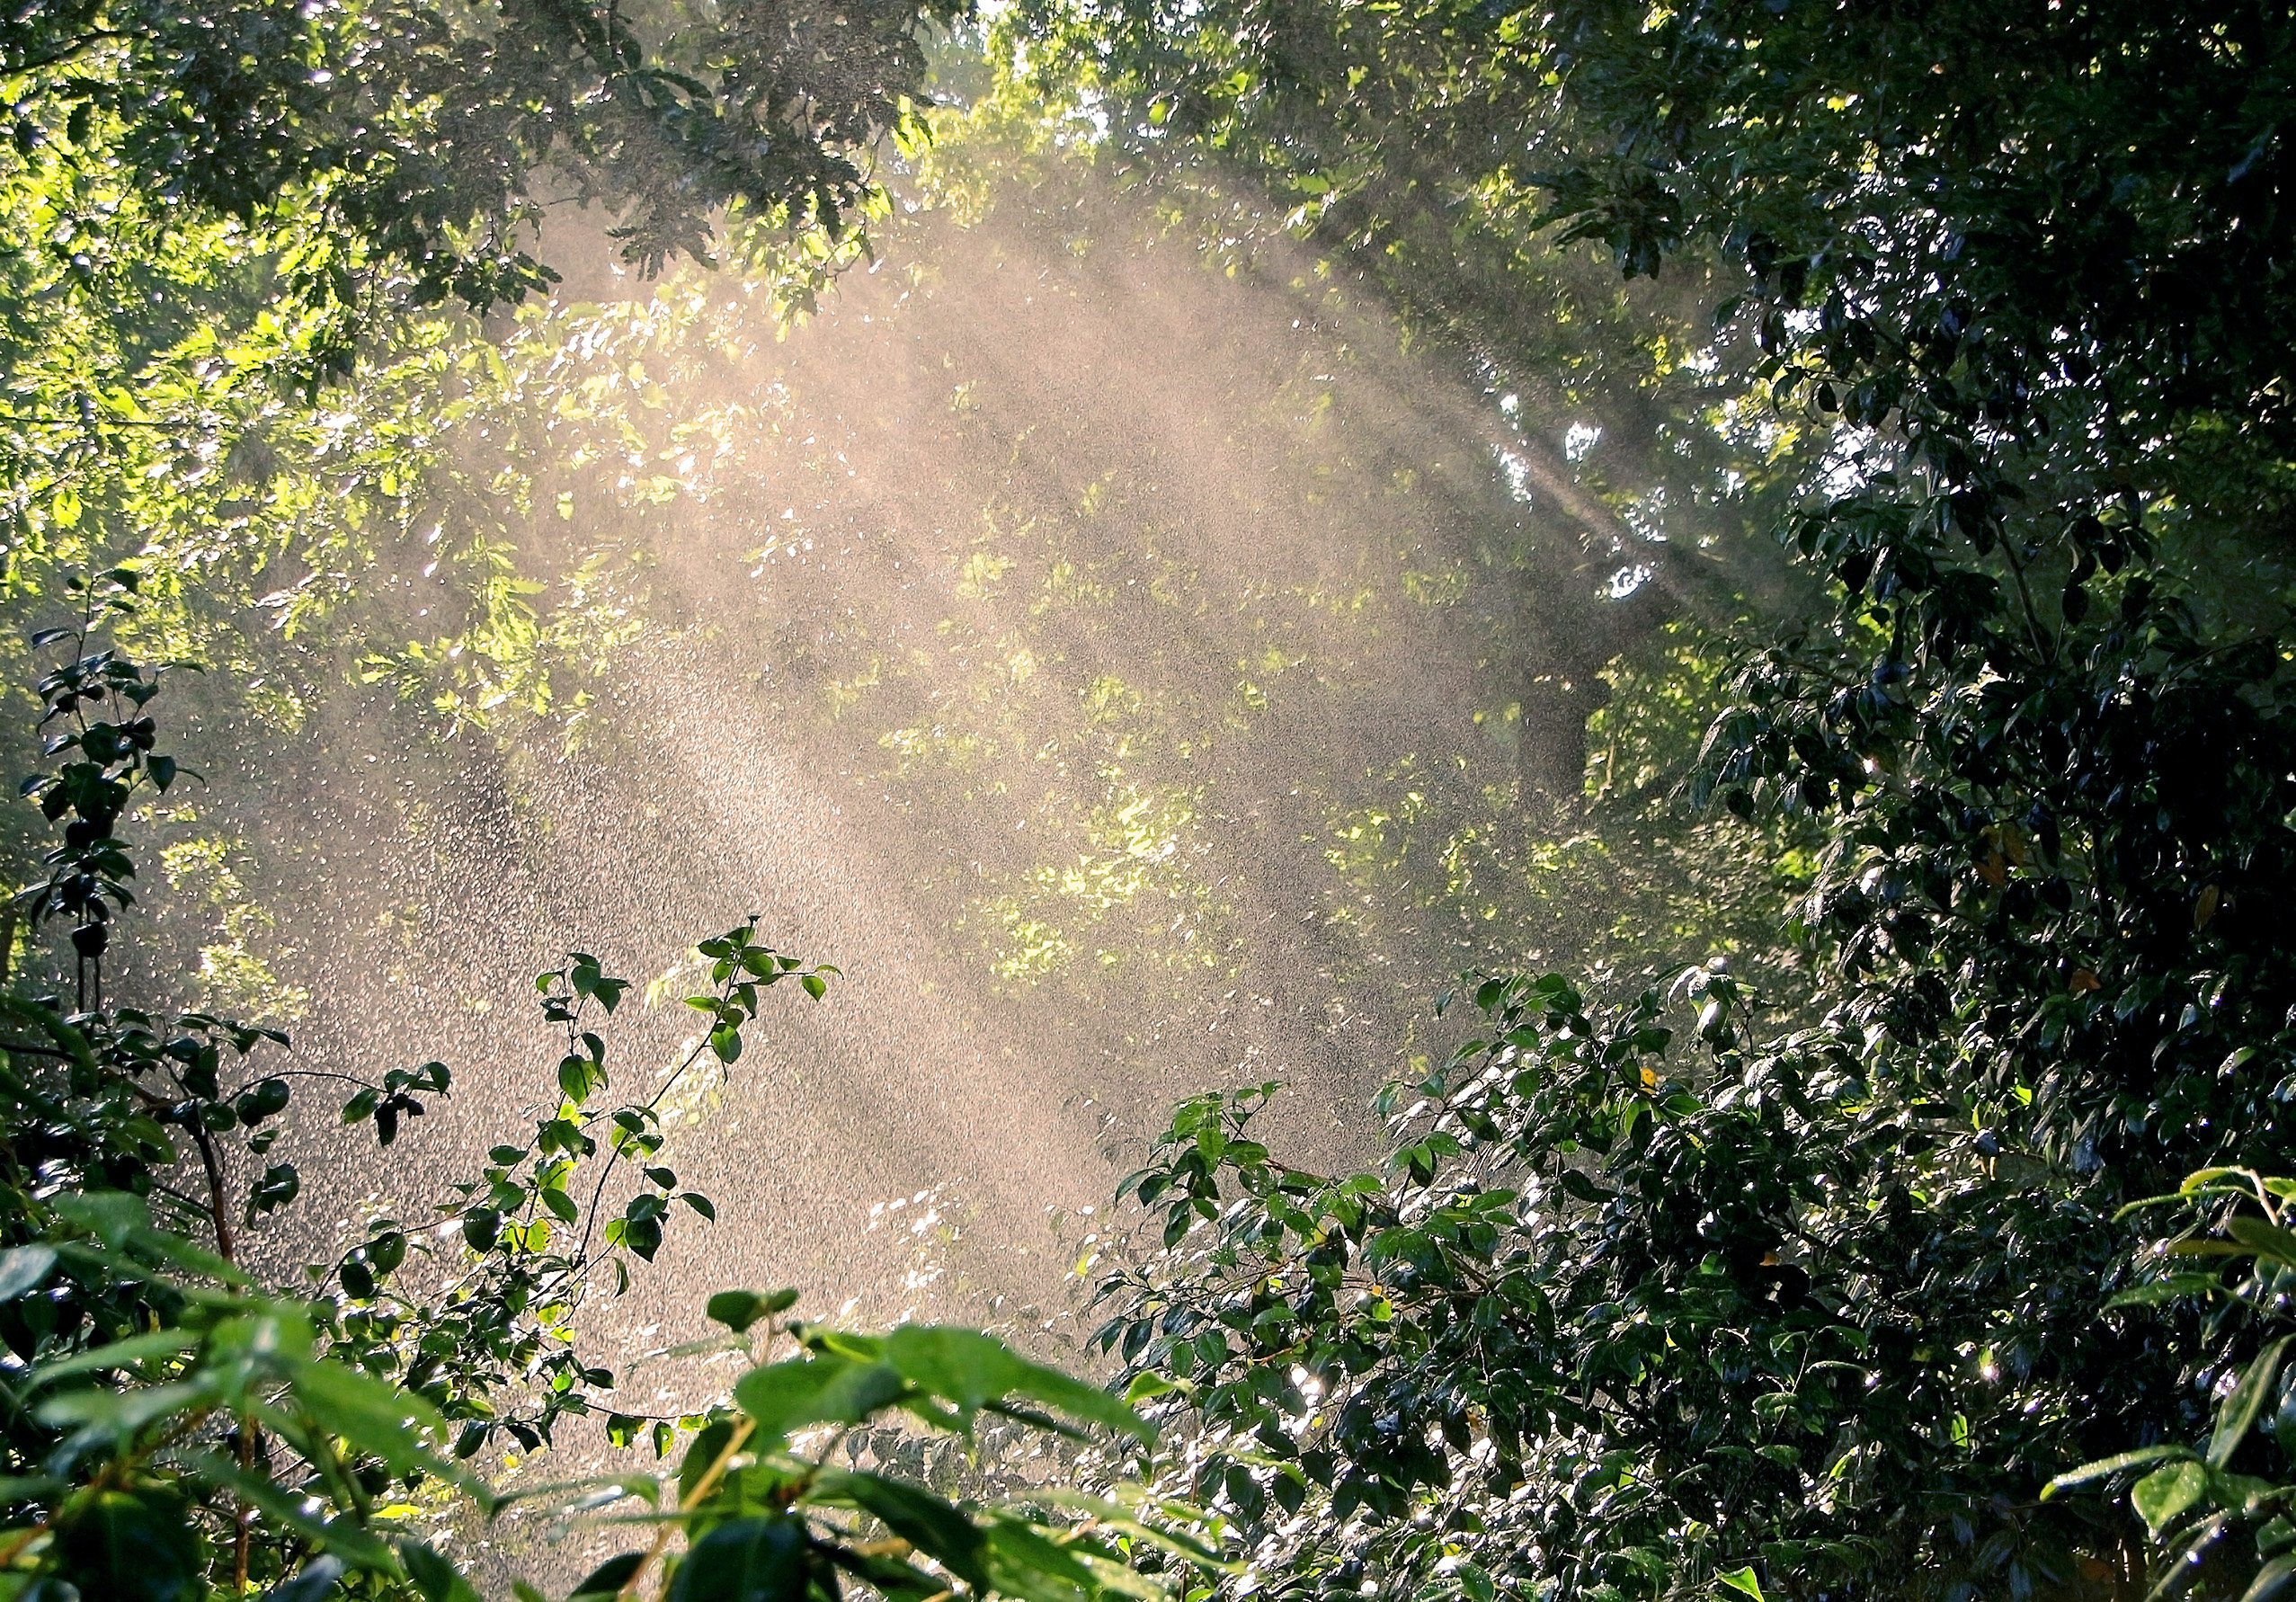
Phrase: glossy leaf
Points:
(787, 1397)
(749, 1559)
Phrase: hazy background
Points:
(1097, 630)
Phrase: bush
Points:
(175, 1428)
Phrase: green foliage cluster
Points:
(356, 157)
(471, 532)
(2197, 1499)
(1446, 821)
(251, 262)
(1801, 1294)
(1402, 143)
(208, 216)
(1632, 1309)
(173, 1427)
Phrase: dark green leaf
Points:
(2166, 1494)
(2238, 1413)
(749, 1559)
(2270, 1579)
(970, 1370)
(935, 1528)
(22, 1269)
(788, 1396)
(134, 1546)
(438, 1579)
(738, 1310)
(609, 1575)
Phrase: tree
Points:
(404, 154)
(1819, 1305)
(208, 216)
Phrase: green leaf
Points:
(376, 1418)
(2175, 1287)
(1023, 1563)
(481, 1228)
(22, 1269)
(933, 1526)
(1115, 1518)
(738, 1310)
(2238, 1413)
(2162, 1495)
(2266, 1240)
(2270, 1579)
(1112, 1573)
(749, 1559)
(1743, 1581)
(2103, 1467)
(788, 1396)
(118, 1414)
(891, 1578)
(1146, 1386)
(122, 1222)
(26, 1487)
(971, 1370)
(115, 1355)
(438, 1579)
(133, 1547)
(2178, 1573)
(609, 1577)
(181, 1253)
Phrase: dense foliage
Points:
(210, 216)
(177, 1428)
(2192, 1499)
(403, 155)
(1815, 1306)
(1808, 1292)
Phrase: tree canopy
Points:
(1781, 1312)
(1873, 541)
